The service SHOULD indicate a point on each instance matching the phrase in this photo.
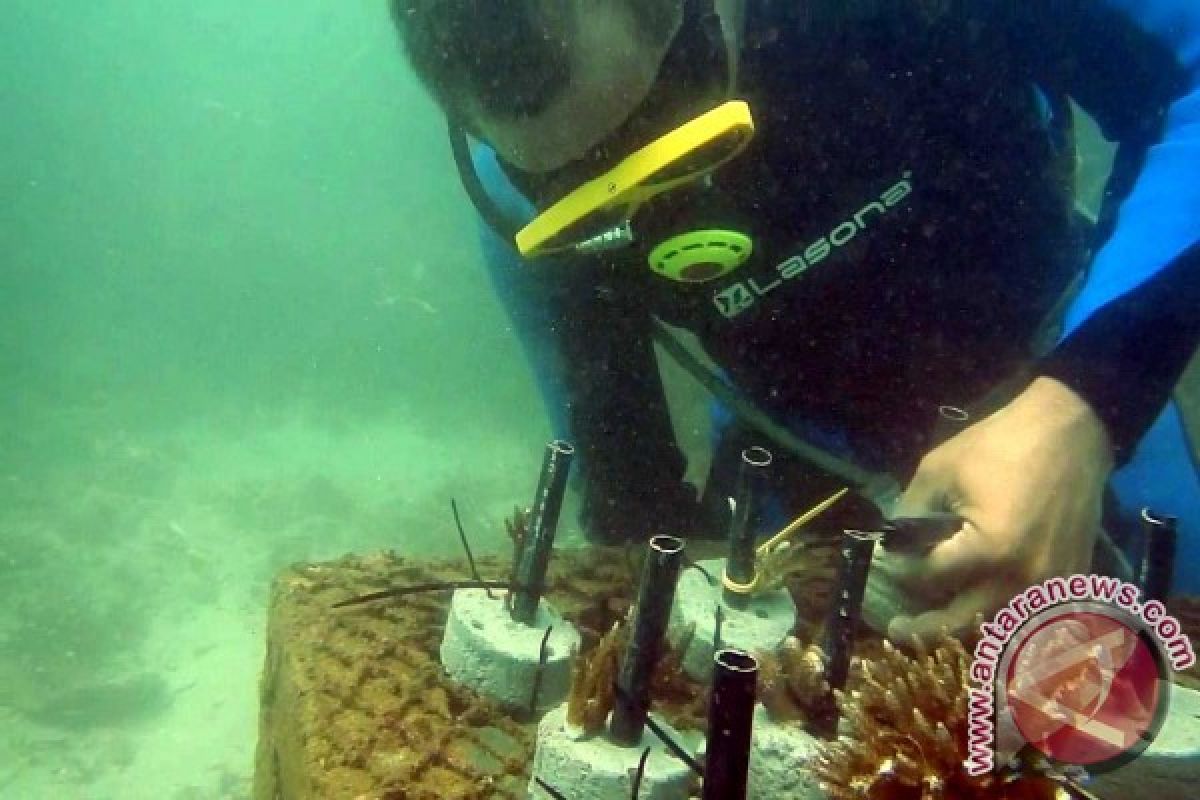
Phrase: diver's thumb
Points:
(930, 488)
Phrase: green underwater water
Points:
(242, 323)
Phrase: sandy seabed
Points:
(137, 571)
(134, 577)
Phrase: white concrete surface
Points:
(596, 769)
(781, 755)
(760, 627)
(483, 648)
(1169, 769)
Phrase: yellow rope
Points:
(800, 521)
(766, 547)
(740, 588)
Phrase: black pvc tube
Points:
(751, 480)
(1158, 558)
(656, 595)
(530, 572)
(730, 724)
(837, 641)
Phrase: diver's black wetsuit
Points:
(907, 192)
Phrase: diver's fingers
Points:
(966, 554)
(931, 485)
(956, 618)
(957, 561)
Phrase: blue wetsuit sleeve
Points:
(527, 294)
(1134, 65)
(592, 352)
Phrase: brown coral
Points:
(906, 735)
(593, 680)
(671, 687)
(791, 681)
(517, 528)
(777, 564)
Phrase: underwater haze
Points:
(243, 322)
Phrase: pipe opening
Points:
(953, 414)
(1155, 518)
(757, 456)
(864, 536)
(736, 661)
(667, 545)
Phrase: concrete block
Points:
(596, 769)
(781, 755)
(483, 648)
(1170, 767)
(761, 626)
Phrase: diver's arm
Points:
(594, 363)
(1028, 480)
(1125, 358)
(1134, 65)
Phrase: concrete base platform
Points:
(1170, 767)
(355, 702)
(780, 755)
(760, 627)
(596, 769)
(485, 650)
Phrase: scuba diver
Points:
(863, 213)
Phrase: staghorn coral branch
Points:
(593, 680)
(905, 732)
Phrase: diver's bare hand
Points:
(1029, 482)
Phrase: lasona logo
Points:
(740, 296)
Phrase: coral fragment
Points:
(905, 733)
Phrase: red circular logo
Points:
(1086, 688)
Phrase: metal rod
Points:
(530, 572)
(751, 480)
(656, 595)
(1158, 558)
(837, 643)
(543, 653)
(670, 743)
(640, 773)
(548, 789)
(730, 723)
(419, 588)
(462, 536)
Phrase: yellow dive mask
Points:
(600, 210)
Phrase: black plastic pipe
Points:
(656, 595)
(530, 572)
(730, 724)
(837, 641)
(1158, 558)
(751, 482)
